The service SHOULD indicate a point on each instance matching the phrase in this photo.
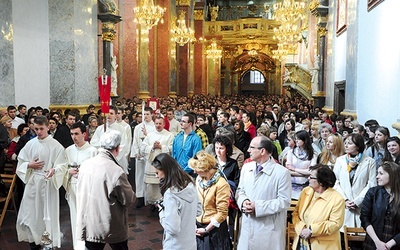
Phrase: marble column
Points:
(199, 58)
(7, 54)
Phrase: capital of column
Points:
(322, 31)
(108, 25)
(144, 95)
(198, 15)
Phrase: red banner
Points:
(104, 93)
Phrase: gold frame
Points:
(373, 3)
(341, 16)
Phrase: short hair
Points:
(4, 119)
(91, 118)
(371, 122)
(324, 126)
(306, 122)
(11, 107)
(41, 120)
(273, 129)
(21, 127)
(358, 140)
(264, 130)
(229, 134)
(190, 118)
(72, 113)
(325, 176)
(39, 108)
(91, 106)
(235, 108)
(149, 109)
(226, 115)
(113, 108)
(266, 144)
(79, 125)
(203, 161)
(223, 140)
(21, 106)
(110, 139)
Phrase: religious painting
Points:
(341, 16)
(373, 3)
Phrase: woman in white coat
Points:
(355, 174)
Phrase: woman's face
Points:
(220, 150)
(293, 116)
(288, 126)
(314, 132)
(285, 117)
(379, 137)
(160, 174)
(299, 143)
(291, 143)
(313, 182)
(236, 126)
(8, 124)
(350, 147)
(325, 133)
(245, 118)
(329, 143)
(382, 177)
(393, 148)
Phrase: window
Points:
(256, 77)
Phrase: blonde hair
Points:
(202, 161)
(331, 155)
(5, 119)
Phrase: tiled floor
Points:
(145, 231)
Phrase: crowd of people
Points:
(204, 162)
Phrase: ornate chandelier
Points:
(288, 34)
(214, 51)
(148, 14)
(180, 33)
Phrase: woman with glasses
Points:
(378, 149)
(299, 161)
(319, 214)
(213, 191)
(393, 149)
(380, 213)
(333, 149)
(178, 208)
(355, 174)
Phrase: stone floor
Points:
(145, 231)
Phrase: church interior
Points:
(341, 54)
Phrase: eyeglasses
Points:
(251, 147)
(312, 177)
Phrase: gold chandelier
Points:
(180, 33)
(148, 14)
(288, 34)
(214, 51)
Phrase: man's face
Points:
(207, 112)
(70, 120)
(147, 116)
(78, 137)
(41, 130)
(159, 124)
(91, 110)
(119, 115)
(112, 116)
(12, 113)
(201, 111)
(255, 152)
(139, 118)
(39, 112)
(22, 111)
(185, 123)
(170, 115)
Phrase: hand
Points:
(144, 131)
(248, 207)
(380, 245)
(156, 145)
(200, 231)
(49, 173)
(36, 164)
(305, 233)
(350, 205)
(73, 172)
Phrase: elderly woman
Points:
(319, 214)
(213, 192)
(355, 174)
(380, 213)
(324, 130)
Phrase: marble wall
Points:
(6, 55)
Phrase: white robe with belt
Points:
(40, 211)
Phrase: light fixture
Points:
(214, 51)
(180, 33)
(148, 14)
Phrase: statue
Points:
(314, 74)
(107, 7)
(286, 76)
(114, 81)
(214, 12)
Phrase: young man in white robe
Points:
(111, 123)
(155, 143)
(41, 166)
(76, 154)
(139, 134)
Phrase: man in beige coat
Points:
(103, 197)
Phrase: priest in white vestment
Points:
(155, 143)
(41, 166)
(76, 154)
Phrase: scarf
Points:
(352, 162)
(246, 125)
(211, 181)
(300, 154)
